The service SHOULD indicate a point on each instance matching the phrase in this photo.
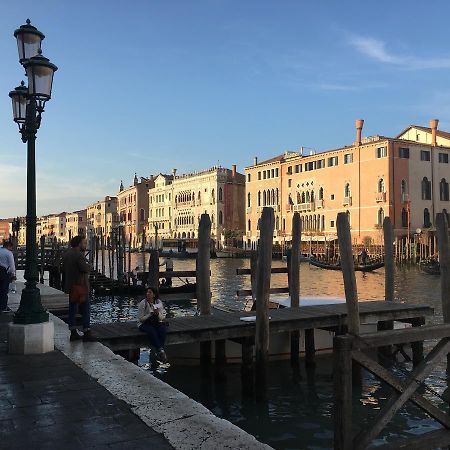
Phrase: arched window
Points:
(268, 196)
(323, 223)
(380, 217)
(426, 218)
(404, 218)
(199, 198)
(321, 193)
(444, 211)
(278, 198)
(273, 197)
(249, 225)
(213, 197)
(312, 196)
(443, 190)
(277, 223)
(259, 198)
(220, 194)
(220, 217)
(299, 198)
(347, 192)
(264, 198)
(426, 189)
(381, 185)
(307, 196)
(303, 198)
(142, 214)
(314, 222)
(248, 200)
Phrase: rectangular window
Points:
(298, 168)
(348, 158)
(310, 166)
(276, 172)
(259, 175)
(320, 164)
(381, 152)
(272, 173)
(424, 155)
(289, 183)
(248, 177)
(333, 161)
(332, 196)
(264, 175)
(332, 224)
(403, 153)
(289, 170)
(443, 158)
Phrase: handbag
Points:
(78, 293)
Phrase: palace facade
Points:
(176, 203)
(405, 178)
(102, 217)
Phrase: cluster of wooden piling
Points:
(353, 350)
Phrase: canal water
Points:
(298, 411)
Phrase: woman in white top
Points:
(151, 315)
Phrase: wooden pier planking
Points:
(183, 330)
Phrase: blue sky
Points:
(145, 86)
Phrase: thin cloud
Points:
(376, 50)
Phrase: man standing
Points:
(7, 274)
(76, 283)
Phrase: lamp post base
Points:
(30, 339)
(30, 310)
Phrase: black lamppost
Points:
(28, 106)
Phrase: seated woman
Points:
(151, 314)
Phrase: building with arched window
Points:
(371, 178)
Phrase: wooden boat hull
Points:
(358, 267)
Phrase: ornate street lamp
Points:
(28, 106)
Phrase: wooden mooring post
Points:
(444, 265)
(203, 280)
(267, 222)
(42, 268)
(348, 273)
(294, 284)
(153, 269)
(388, 279)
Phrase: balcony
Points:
(319, 204)
(309, 206)
(289, 208)
(380, 197)
(347, 201)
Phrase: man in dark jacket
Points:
(76, 276)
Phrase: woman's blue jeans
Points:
(155, 333)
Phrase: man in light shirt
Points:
(7, 274)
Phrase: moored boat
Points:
(368, 267)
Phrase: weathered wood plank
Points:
(249, 292)
(273, 270)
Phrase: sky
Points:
(147, 86)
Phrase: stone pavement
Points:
(48, 402)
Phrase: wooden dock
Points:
(219, 325)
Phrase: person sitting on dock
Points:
(169, 267)
(151, 315)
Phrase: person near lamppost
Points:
(7, 274)
(76, 283)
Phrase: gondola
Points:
(372, 265)
(430, 267)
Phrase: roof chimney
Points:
(255, 161)
(359, 126)
(433, 125)
(233, 170)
